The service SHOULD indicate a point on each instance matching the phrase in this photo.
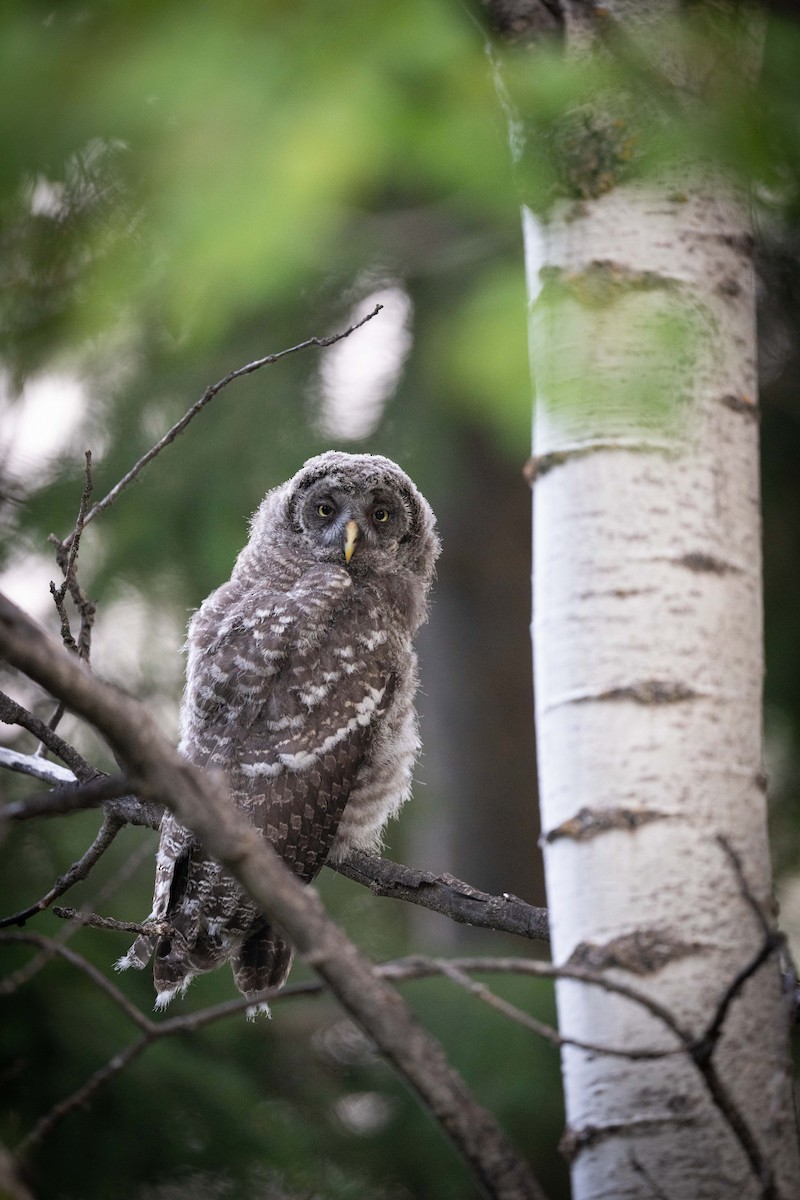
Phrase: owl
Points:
(300, 687)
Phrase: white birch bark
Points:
(648, 673)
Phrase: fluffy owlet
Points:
(300, 686)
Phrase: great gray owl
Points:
(300, 685)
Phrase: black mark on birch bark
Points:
(540, 464)
(697, 561)
(729, 287)
(646, 691)
(590, 823)
(524, 20)
(746, 405)
(642, 952)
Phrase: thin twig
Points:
(78, 871)
(744, 886)
(81, 964)
(112, 885)
(95, 921)
(69, 567)
(189, 416)
(82, 1096)
(540, 1028)
(12, 713)
(68, 799)
(67, 559)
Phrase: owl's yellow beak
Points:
(353, 532)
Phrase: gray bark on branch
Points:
(446, 894)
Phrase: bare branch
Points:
(68, 799)
(69, 564)
(83, 1095)
(157, 773)
(78, 871)
(161, 928)
(35, 767)
(197, 407)
(67, 559)
(12, 713)
(744, 886)
(58, 594)
(81, 964)
(399, 970)
(445, 894)
(458, 975)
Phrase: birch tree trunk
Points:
(648, 666)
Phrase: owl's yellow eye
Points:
(381, 515)
(325, 510)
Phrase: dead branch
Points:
(131, 864)
(440, 893)
(95, 921)
(77, 872)
(157, 773)
(67, 559)
(35, 767)
(70, 798)
(12, 713)
(197, 407)
(445, 894)
(399, 970)
(458, 975)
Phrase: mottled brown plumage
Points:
(300, 684)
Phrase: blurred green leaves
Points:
(245, 139)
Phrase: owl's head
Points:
(357, 510)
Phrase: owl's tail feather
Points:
(261, 961)
(174, 967)
(138, 956)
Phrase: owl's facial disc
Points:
(358, 528)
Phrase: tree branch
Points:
(77, 872)
(198, 406)
(398, 971)
(67, 559)
(35, 767)
(72, 797)
(445, 894)
(157, 773)
(12, 713)
(95, 921)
